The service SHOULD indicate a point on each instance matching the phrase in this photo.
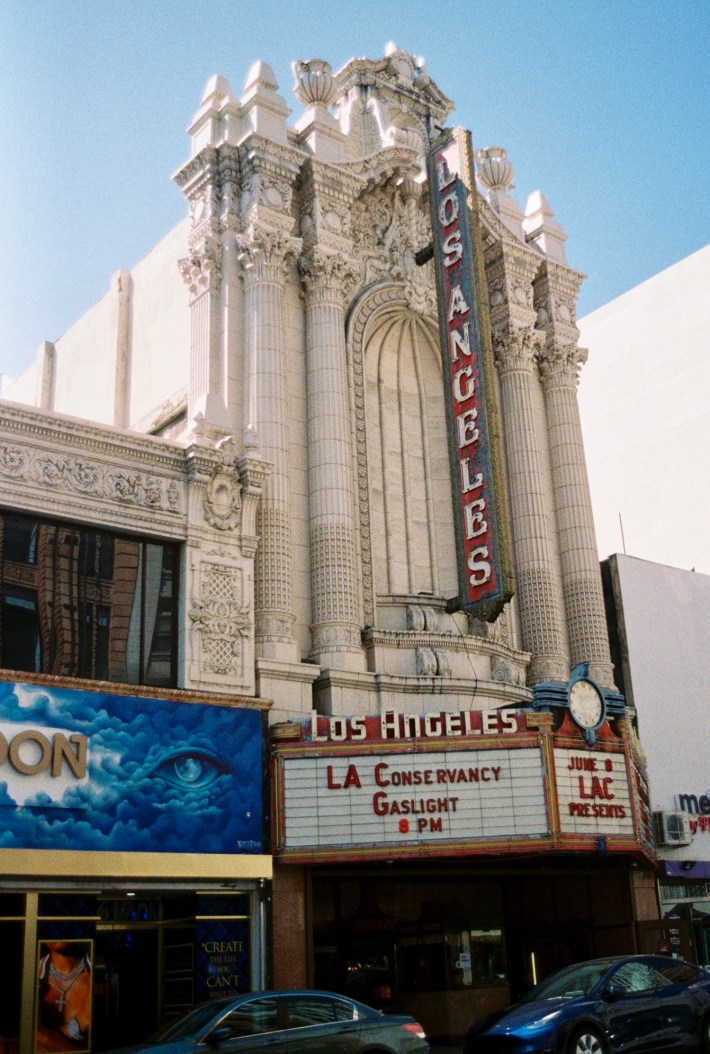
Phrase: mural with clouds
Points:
(160, 776)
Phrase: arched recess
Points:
(404, 483)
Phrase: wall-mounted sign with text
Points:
(482, 530)
(447, 784)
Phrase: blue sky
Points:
(601, 104)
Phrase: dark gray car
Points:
(290, 1022)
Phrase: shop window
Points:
(432, 957)
(81, 602)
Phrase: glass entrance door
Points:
(126, 986)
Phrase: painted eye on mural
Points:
(191, 768)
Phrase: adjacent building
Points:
(662, 664)
(643, 400)
(304, 499)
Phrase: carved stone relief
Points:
(221, 620)
(223, 505)
(86, 477)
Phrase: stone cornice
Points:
(422, 95)
(449, 641)
(392, 161)
(494, 230)
(197, 171)
(68, 469)
(278, 159)
(72, 434)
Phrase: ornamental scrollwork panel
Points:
(85, 477)
(222, 620)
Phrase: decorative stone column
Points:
(200, 181)
(510, 272)
(533, 528)
(560, 361)
(334, 565)
(263, 260)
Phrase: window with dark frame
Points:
(81, 602)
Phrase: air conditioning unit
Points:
(672, 829)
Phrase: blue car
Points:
(619, 1005)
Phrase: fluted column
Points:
(201, 180)
(334, 566)
(263, 261)
(533, 527)
(556, 288)
(581, 578)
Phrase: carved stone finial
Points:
(410, 188)
(315, 86)
(494, 169)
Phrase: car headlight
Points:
(543, 1022)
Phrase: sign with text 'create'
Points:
(480, 507)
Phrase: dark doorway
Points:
(126, 986)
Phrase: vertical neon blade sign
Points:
(480, 510)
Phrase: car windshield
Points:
(186, 1026)
(572, 981)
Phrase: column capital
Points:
(326, 277)
(516, 348)
(202, 269)
(264, 255)
(561, 363)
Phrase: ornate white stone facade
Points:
(294, 394)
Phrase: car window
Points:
(569, 982)
(676, 971)
(189, 1025)
(345, 1010)
(317, 1010)
(253, 1017)
(634, 977)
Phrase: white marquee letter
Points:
(466, 425)
(459, 341)
(475, 524)
(448, 209)
(481, 568)
(459, 394)
(457, 304)
(452, 248)
(468, 483)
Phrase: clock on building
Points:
(586, 703)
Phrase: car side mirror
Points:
(218, 1035)
(613, 991)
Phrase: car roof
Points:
(241, 996)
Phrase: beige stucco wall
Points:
(150, 331)
(643, 398)
(160, 325)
